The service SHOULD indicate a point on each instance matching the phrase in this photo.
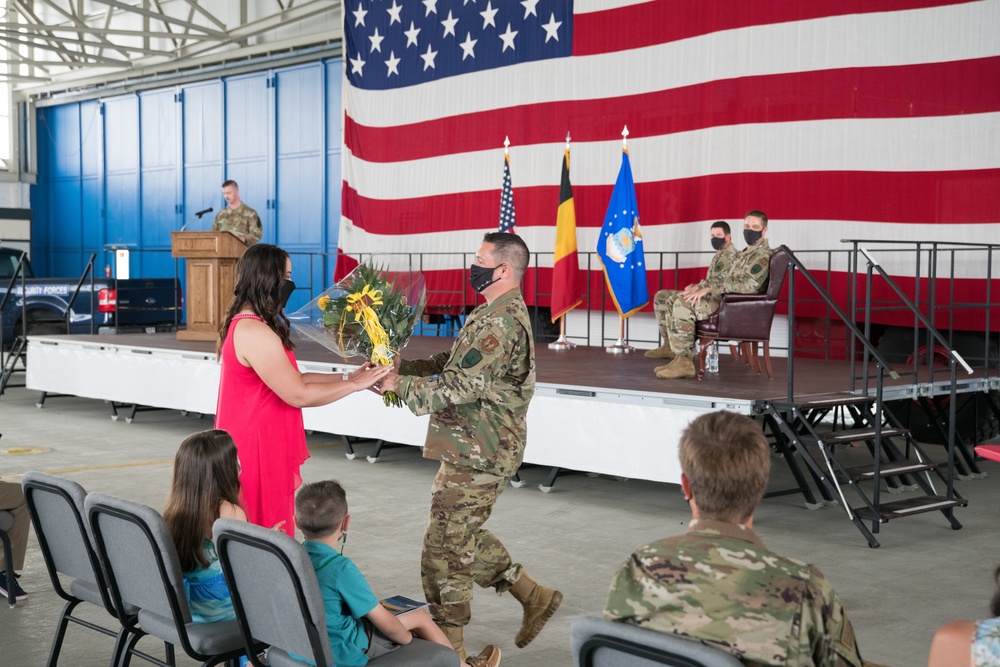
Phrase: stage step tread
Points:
(832, 400)
(899, 509)
(888, 469)
(853, 435)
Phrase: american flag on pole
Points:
(845, 119)
(507, 220)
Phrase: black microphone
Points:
(196, 215)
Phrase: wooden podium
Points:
(211, 279)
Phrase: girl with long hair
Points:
(261, 390)
(205, 487)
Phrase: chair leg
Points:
(746, 353)
(61, 627)
(733, 352)
(767, 360)
(756, 357)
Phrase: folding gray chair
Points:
(143, 570)
(6, 523)
(596, 642)
(55, 505)
(288, 612)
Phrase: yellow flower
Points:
(323, 302)
(361, 301)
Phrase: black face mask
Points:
(481, 277)
(718, 243)
(751, 236)
(284, 291)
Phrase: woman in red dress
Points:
(262, 392)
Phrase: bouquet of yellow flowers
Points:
(371, 313)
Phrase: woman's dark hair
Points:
(259, 273)
(206, 472)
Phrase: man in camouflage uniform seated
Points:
(477, 396)
(718, 268)
(718, 583)
(237, 218)
(747, 275)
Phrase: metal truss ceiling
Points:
(67, 42)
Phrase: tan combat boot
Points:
(454, 635)
(679, 368)
(488, 657)
(539, 604)
(662, 352)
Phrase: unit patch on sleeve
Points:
(471, 358)
(489, 344)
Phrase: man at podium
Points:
(237, 218)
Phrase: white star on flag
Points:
(552, 28)
(429, 57)
(449, 25)
(468, 46)
(508, 38)
(393, 64)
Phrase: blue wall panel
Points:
(300, 161)
(92, 185)
(121, 159)
(334, 131)
(203, 133)
(130, 169)
(249, 141)
(159, 159)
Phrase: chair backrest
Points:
(56, 507)
(777, 270)
(139, 557)
(596, 642)
(287, 611)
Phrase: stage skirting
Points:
(632, 434)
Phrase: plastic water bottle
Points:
(712, 358)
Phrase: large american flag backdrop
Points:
(876, 119)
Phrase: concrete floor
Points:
(573, 538)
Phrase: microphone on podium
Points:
(196, 215)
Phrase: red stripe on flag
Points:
(649, 23)
(936, 89)
(916, 197)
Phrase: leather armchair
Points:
(746, 318)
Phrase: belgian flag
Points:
(567, 279)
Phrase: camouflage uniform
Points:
(747, 275)
(719, 584)
(242, 221)
(663, 300)
(477, 395)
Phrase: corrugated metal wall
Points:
(129, 170)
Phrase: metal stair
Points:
(897, 461)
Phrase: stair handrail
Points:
(89, 269)
(930, 328)
(865, 341)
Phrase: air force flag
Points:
(620, 246)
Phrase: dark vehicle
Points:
(102, 305)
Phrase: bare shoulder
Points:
(228, 510)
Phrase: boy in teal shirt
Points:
(358, 626)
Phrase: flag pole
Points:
(620, 346)
(562, 343)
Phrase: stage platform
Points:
(592, 412)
